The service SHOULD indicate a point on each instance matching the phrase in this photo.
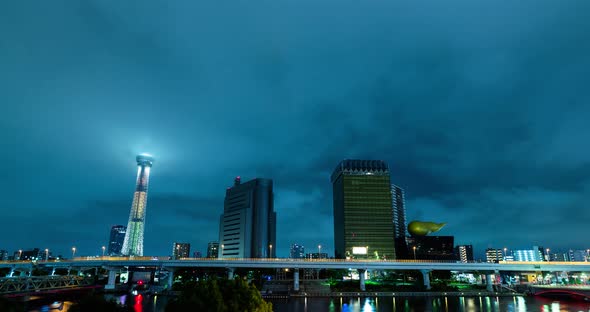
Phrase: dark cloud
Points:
(478, 107)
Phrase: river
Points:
(381, 304)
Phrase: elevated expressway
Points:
(114, 264)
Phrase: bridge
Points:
(36, 284)
(571, 291)
(113, 264)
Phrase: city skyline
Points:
(354, 168)
(483, 127)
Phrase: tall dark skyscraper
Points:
(181, 250)
(363, 226)
(133, 243)
(116, 239)
(400, 223)
(248, 223)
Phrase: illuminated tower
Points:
(133, 243)
(363, 214)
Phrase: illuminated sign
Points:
(359, 250)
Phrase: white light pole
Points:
(548, 255)
(414, 247)
(73, 252)
(505, 249)
(46, 254)
(20, 253)
(103, 249)
(270, 255)
(319, 251)
(222, 246)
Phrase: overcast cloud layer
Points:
(479, 107)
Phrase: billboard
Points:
(359, 250)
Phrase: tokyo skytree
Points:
(133, 243)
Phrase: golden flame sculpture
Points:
(420, 228)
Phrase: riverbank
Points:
(393, 294)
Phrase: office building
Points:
(493, 255)
(133, 242)
(363, 226)
(400, 223)
(297, 252)
(535, 254)
(213, 250)
(578, 255)
(464, 253)
(559, 256)
(180, 250)
(248, 224)
(116, 239)
(432, 247)
(316, 255)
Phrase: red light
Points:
(140, 282)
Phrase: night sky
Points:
(480, 108)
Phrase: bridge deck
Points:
(305, 264)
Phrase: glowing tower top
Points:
(133, 243)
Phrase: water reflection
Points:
(142, 303)
(138, 306)
(368, 307)
(418, 304)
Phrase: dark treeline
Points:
(218, 295)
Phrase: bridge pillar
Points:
(426, 278)
(111, 281)
(362, 278)
(53, 272)
(489, 282)
(296, 280)
(11, 273)
(170, 277)
(230, 273)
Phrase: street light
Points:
(505, 253)
(73, 252)
(270, 255)
(319, 251)
(548, 256)
(46, 254)
(103, 249)
(20, 252)
(414, 247)
(222, 245)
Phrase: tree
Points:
(219, 296)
